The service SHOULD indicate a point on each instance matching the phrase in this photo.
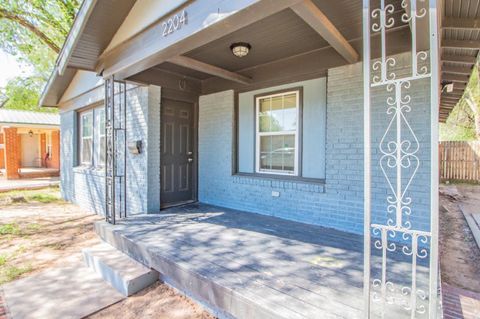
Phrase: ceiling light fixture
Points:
(240, 49)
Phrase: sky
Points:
(9, 68)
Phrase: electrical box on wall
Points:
(135, 147)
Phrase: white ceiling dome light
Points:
(240, 49)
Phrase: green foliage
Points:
(9, 272)
(44, 195)
(9, 229)
(23, 94)
(33, 31)
(460, 125)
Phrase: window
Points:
(100, 133)
(86, 137)
(277, 124)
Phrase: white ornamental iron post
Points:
(399, 149)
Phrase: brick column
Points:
(2, 153)
(55, 162)
(12, 152)
(43, 148)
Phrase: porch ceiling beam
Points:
(450, 95)
(461, 23)
(470, 60)
(461, 44)
(455, 101)
(207, 22)
(456, 69)
(455, 78)
(316, 19)
(209, 69)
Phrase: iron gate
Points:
(115, 148)
(398, 251)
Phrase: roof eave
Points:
(61, 64)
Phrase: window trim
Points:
(81, 138)
(297, 173)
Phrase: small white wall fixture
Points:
(400, 256)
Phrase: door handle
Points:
(189, 153)
(190, 160)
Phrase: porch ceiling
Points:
(460, 48)
(284, 48)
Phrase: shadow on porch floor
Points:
(249, 265)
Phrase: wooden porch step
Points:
(126, 275)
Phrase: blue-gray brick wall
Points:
(338, 203)
(85, 186)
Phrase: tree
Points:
(33, 31)
(464, 120)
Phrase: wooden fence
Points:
(460, 161)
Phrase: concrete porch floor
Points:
(249, 265)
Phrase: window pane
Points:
(278, 113)
(290, 112)
(86, 150)
(101, 122)
(277, 153)
(264, 115)
(102, 151)
(87, 125)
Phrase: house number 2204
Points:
(174, 23)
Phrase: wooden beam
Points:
(168, 79)
(470, 60)
(457, 70)
(207, 22)
(455, 78)
(452, 95)
(315, 18)
(209, 69)
(461, 44)
(461, 23)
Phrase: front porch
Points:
(252, 266)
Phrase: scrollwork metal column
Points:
(399, 162)
(115, 150)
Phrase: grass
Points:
(44, 195)
(9, 273)
(10, 229)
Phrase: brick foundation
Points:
(2, 153)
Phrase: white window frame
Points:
(259, 134)
(80, 149)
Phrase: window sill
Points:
(281, 182)
(86, 169)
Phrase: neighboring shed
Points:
(29, 144)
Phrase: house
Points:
(267, 157)
(29, 144)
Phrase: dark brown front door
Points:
(178, 152)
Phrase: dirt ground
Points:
(38, 230)
(459, 253)
(158, 301)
